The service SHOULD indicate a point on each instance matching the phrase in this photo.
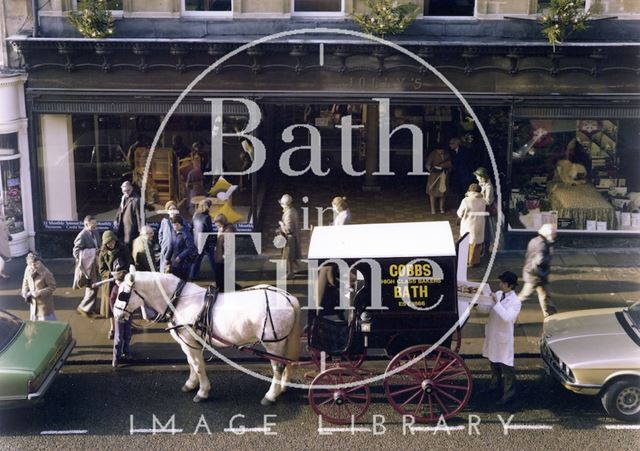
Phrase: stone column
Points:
(13, 121)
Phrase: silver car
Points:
(597, 352)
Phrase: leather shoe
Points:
(115, 363)
(506, 399)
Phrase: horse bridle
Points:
(165, 316)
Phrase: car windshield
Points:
(9, 328)
(634, 313)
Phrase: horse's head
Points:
(128, 300)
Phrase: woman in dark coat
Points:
(202, 224)
(182, 251)
(112, 253)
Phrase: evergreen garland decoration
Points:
(386, 17)
(92, 19)
(563, 19)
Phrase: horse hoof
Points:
(198, 398)
(187, 389)
(266, 402)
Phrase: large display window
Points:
(84, 158)
(583, 174)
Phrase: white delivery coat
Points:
(498, 332)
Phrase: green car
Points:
(31, 354)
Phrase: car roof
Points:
(391, 240)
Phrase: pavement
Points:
(581, 279)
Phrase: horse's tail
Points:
(292, 350)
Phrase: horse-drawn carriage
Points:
(398, 287)
(401, 295)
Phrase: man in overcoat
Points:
(128, 222)
(537, 267)
(499, 336)
(85, 252)
(38, 286)
(289, 226)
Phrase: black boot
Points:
(496, 377)
(509, 391)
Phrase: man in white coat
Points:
(498, 342)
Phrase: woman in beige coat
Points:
(38, 286)
(472, 214)
(438, 164)
(5, 251)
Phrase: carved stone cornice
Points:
(183, 56)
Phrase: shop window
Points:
(318, 6)
(10, 187)
(449, 8)
(582, 174)
(112, 5)
(11, 204)
(214, 6)
(94, 154)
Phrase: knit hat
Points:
(33, 257)
(286, 200)
(108, 235)
(481, 172)
(547, 231)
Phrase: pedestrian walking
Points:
(289, 227)
(438, 165)
(5, 250)
(85, 252)
(537, 268)
(222, 251)
(472, 212)
(202, 235)
(342, 214)
(499, 337)
(38, 286)
(141, 245)
(182, 251)
(112, 254)
(489, 195)
(128, 221)
(165, 232)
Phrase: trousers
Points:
(89, 300)
(546, 304)
(505, 374)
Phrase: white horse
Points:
(259, 314)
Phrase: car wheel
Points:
(622, 399)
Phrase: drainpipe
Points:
(34, 12)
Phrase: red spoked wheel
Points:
(348, 360)
(340, 404)
(436, 384)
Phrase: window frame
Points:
(116, 13)
(320, 14)
(473, 16)
(204, 14)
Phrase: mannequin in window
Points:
(568, 170)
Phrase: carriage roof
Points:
(393, 240)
